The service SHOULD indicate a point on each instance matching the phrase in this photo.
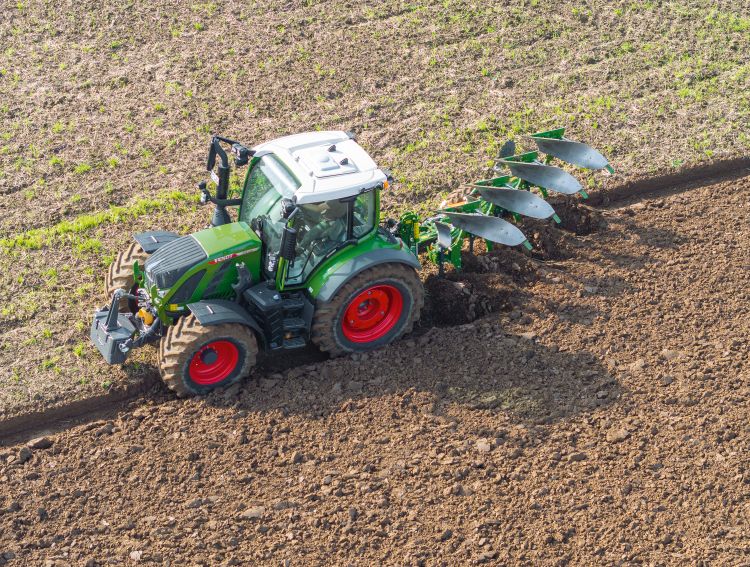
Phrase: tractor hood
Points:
(165, 266)
(234, 239)
(171, 261)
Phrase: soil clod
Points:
(40, 443)
(578, 218)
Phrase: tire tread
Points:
(120, 273)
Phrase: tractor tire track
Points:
(670, 183)
(20, 428)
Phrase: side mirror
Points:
(206, 196)
(287, 208)
(288, 243)
(241, 154)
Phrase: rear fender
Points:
(221, 311)
(360, 263)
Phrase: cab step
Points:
(294, 324)
(293, 303)
(294, 342)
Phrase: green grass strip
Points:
(37, 238)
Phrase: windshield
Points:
(267, 182)
(321, 227)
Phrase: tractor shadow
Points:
(629, 231)
(645, 239)
(475, 366)
(270, 364)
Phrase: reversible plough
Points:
(489, 202)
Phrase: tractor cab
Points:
(323, 186)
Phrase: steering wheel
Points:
(319, 247)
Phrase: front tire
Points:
(193, 359)
(121, 275)
(373, 309)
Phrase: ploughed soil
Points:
(596, 414)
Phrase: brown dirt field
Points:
(585, 403)
(601, 420)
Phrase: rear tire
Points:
(120, 274)
(194, 359)
(373, 309)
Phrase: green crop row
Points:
(37, 238)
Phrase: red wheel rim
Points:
(372, 313)
(213, 362)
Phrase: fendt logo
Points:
(229, 256)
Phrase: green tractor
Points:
(307, 260)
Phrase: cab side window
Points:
(364, 214)
(321, 227)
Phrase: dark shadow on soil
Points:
(504, 374)
(292, 359)
(649, 236)
(655, 237)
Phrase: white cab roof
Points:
(328, 165)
